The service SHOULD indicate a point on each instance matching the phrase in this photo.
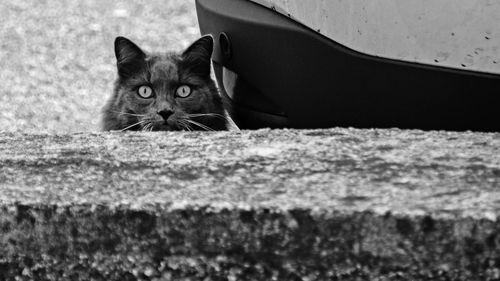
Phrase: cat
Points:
(164, 91)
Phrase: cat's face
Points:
(167, 91)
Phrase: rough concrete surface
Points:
(337, 204)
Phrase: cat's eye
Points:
(183, 91)
(145, 92)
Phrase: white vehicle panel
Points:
(455, 33)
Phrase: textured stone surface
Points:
(339, 204)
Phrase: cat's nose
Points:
(165, 113)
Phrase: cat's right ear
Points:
(129, 57)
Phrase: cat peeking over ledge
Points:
(164, 91)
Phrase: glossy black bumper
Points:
(275, 72)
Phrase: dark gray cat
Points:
(167, 91)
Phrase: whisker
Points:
(181, 124)
(208, 115)
(199, 125)
(185, 125)
(135, 124)
(126, 113)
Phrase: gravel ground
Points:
(57, 64)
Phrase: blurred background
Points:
(57, 64)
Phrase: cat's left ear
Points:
(198, 55)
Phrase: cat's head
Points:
(164, 91)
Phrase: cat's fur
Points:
(164, 73)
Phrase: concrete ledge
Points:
(339, 204)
